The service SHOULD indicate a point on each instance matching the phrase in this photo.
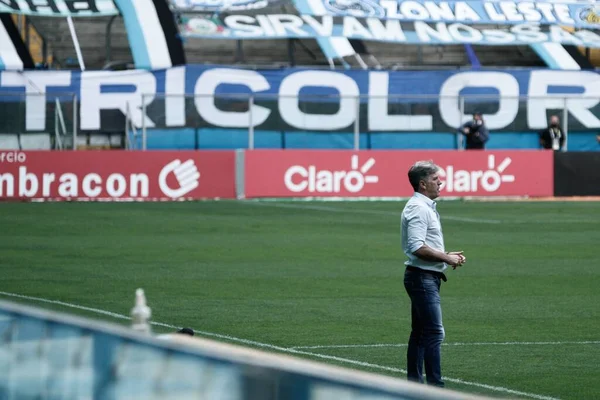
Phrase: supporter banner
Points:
(300, 173)
(117, 175)
(301, 99)
(14, 53)
(571, 13)
(152, 32)
(278, 26)
(580, 14)
(59, 8)
(222, 5)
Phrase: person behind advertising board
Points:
(423, 244)
(552, 137)
(476, 132)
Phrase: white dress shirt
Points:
(421, 226)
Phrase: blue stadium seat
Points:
(209, 138)
(175, 139)
(516, 140)
(322, 140)
(410, 140)
(582, 141)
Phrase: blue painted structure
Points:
(216, 138)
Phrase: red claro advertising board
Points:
(323, 173)
(116, 175)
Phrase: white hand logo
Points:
(187, 175)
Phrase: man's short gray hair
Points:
(420, 171)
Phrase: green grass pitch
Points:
(296, 274)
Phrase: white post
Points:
(128, 141)
(56, 133)
(141, 313)
(60, 120)
(144, 133)
(75, 123)
(250, 123)
(565, 125)
(362, 64)
(76, 43)
(357, 125)
(459, 136)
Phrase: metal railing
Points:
(60, 129)
(48, 355)
(55, 114)
(355, 115)
(446, 113)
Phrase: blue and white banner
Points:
(579, 14)
(59, 8)
(572, 13)
(204, 96)
(221, 5)
(277, 26)
(152, 32)
(14, 54)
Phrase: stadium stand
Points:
(96, 49)
(105, 44)
(104, 41)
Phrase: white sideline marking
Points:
(364, 211)
(62, 303)
(282, 349)
(346, 346)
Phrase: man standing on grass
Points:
(423, 244)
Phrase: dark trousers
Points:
(427, 330)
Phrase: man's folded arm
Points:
(417, 232)
(428, 254)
